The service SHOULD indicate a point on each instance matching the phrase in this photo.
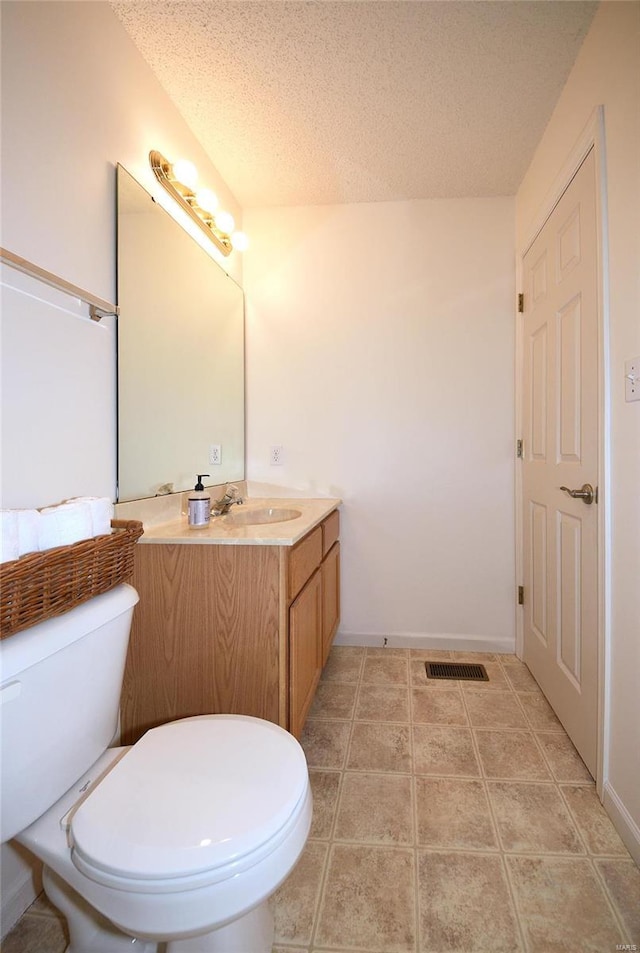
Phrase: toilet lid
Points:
(191, 796)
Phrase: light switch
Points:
(632, 379)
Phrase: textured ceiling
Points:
(323, 101)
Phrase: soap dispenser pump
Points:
(199, 504)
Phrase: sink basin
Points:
(270, 514)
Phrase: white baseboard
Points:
(18, 894)
(419, 640)
(622, 821)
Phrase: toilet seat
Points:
(193, 802)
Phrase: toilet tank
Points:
(60, 685)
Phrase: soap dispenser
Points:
(199, 504)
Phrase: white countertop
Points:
(222, 530)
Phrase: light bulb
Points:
(225, 222)
(239, 241)
(207, 200)
(186, 173)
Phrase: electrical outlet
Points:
(276, 456)
(215, 454)
(632, 379)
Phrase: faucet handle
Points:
(232, 493)
(230, 497)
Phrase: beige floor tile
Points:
(562, 905)
(325, 743)
(418, 674)
(520, 678)
(334, 700)
(430, 655)
(510, 755)
(344, 664)
(386, 651)
(533, 818)
(444, 751)
(539, 712)
(379, 747)
(389, 822)
(480, 657)
(437, 708)
(566, 763)
(385, 670)
(382, 703)
(36, 934)
(497, 680)
(42, 907)
(295, 903)
(593, 821)
(494, 709)
(453, 813)
(368, 901)
(464, 904)
(622, 879)
(325, 786)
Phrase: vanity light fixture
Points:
(180, 181)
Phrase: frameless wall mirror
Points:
(180, 355)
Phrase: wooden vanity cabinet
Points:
(226, 628)
(305, 651)
(330, 570)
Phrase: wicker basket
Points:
(41, 585)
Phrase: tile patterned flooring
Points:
(449, 817)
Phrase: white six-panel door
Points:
(560, 431)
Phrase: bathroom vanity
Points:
(237, 617)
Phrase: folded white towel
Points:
(9, 536)
(101, 512)
(64, 524)
(28, 536)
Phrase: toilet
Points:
(174, 844)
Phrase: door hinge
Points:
(520, 304)
(520, 448)
(520, 595)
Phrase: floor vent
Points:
(466, 670)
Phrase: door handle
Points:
(586, 493)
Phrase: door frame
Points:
(592, 137)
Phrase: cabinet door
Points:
(205, 636)
(305, 648)
(330, 599)
(303, 559)
(330, 531)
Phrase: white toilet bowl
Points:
(180, 839)
(172, 845)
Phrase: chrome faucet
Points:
(223, 505)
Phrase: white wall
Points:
(380, 355)
(77, 98)
(607, 71)
(54, 445)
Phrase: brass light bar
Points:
(186, 199)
